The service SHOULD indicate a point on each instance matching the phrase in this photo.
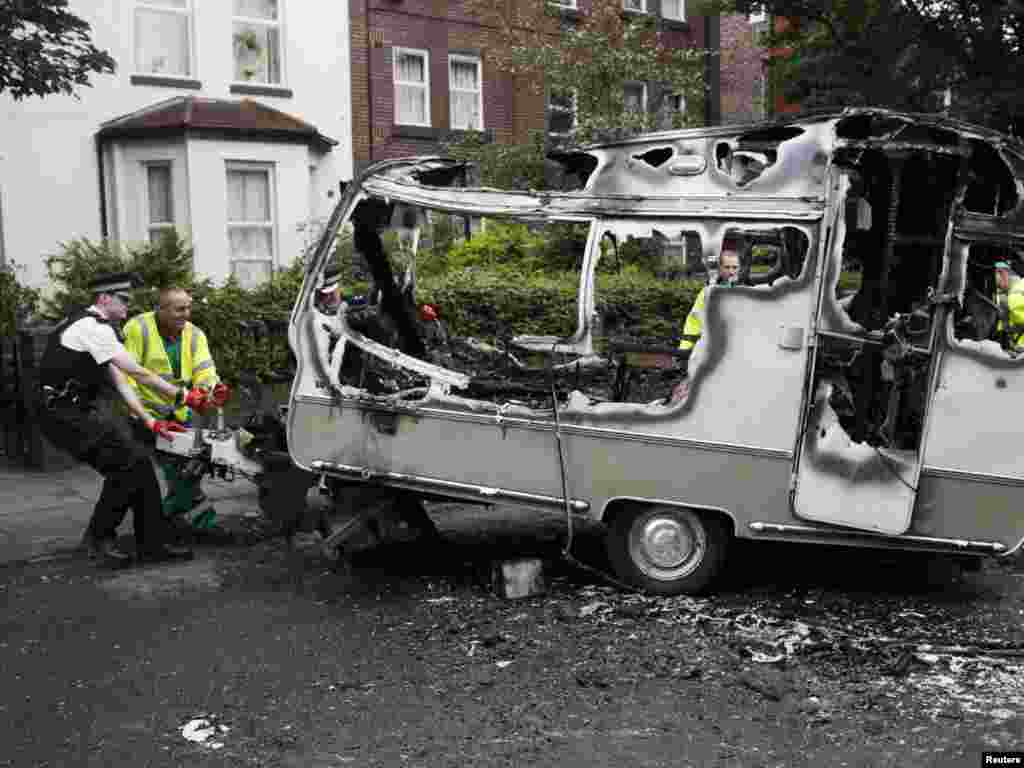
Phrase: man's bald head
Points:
(173, 310)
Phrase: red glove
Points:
(196, 399)
(220, 395)
(165, 428)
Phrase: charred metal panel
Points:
(876, 486)
(961, 505)
(975, 424)
(479, 451)
(567, 205)
(798, 171)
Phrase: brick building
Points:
(748, 90)
(743, 68)
(420, 69)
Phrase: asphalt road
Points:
(254, 656)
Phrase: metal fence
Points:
(20, 438)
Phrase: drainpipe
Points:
(104, 232)
(3, 254)
(712, 70)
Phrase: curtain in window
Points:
(250, 247)
(250, 274)
(161, 208)
(256, 9)
(161, 42)
(250, 244)
(248, 196)
(672, 9)
(411, 99)
(465, 95)
(411, 68)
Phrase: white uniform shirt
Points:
(96, 338)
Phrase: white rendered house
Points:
(228, 121)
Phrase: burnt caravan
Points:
(860, 385)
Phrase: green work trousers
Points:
(185, 497)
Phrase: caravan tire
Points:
(667, 550)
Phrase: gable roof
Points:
(218, 118)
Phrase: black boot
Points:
(106, 551)
(166, 553)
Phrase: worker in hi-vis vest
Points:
(1009, 299)
(167, 343)
(728, 271)
(693, 328)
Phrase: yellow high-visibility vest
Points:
(143, 341)
(1013, 308)
(694, 325)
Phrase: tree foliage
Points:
(593, 56)
(45, 49)
(902, 54)
(506, 166)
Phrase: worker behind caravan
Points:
(166, 342)
(693, 329)
(1009, 300)
(728, 273)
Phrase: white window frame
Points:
(628, 9)
(397, 53)
(548, 109)
(682, 12)
(465, 59)
(643, 93)
(564, 3)
(156, 6)
(152, 227)
(758, 16)
(271, 225)
(277, 23)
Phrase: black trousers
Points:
(129, 482)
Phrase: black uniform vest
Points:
(60, 364)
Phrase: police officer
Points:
(328, 296)
(85, 355)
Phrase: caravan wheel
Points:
(667, 550)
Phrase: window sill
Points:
(459, 134)
(416, 132)
(566, 12)
(680, 25)
(251, 89)
(166, 81)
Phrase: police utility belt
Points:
(72, 393)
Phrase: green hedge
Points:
(215, 309)
(485, 296)
(499, 303)
(16, 301)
